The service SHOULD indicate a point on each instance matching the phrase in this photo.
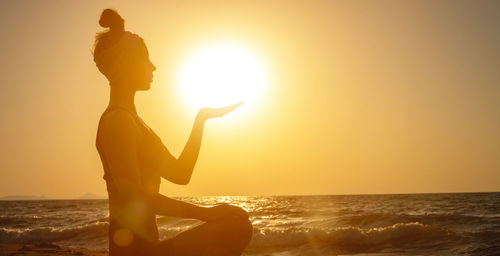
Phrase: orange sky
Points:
(366, 96)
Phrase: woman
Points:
(135, 160)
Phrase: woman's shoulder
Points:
(117, 121)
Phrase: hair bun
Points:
(112, 20)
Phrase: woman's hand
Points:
(207, 113)
(223, 211)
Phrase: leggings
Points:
(137, 246)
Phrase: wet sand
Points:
(45, 250)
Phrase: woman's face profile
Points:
(140, 69)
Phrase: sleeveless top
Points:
(132, 215)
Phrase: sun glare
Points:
(221, 74)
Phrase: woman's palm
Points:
(208, 113)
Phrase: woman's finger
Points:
(230, 108)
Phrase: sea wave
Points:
(15, 220)
(353, 239)
(349, 239)
(371, 220)
(263, 237)
(49, 234)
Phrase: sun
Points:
(220, 74)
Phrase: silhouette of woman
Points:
(134, 161)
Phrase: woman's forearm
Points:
(189, 155)
(159, 203)
(180, 170)
(166, 206)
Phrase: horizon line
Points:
(105, 197)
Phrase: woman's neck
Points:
(122, 98)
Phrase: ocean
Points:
(402, 224)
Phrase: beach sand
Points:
(45, 250)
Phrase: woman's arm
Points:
(119, 142)
(180, 170)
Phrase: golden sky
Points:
(366, 96)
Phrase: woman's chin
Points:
(144, 87)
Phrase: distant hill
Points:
(92, 196)
(19, 197)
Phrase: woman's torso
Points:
(127, 213)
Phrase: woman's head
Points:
(122, 56)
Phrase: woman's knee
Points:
(235, 228)
(243, 229)
(246, 227)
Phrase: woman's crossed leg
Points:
(227, 237)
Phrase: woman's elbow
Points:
(183, 181)
(184, 178)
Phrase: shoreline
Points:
(45, 249)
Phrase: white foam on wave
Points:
(345, 238)
(50, 234)
(349, 238)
